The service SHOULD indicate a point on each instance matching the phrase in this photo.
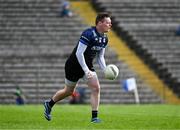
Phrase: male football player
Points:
(91, 44)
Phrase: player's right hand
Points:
(89, 74)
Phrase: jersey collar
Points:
(96, 33)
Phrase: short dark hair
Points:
(101, 16)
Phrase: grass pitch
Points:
(136, 117)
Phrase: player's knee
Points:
(96, 89)
(69, 91)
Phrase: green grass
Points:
(136, 117)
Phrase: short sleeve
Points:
(86, 37)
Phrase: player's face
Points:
(105, 25)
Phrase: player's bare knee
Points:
(69, 91)
(95, 89)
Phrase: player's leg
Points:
(59, 95)
(63, 93)
(95, 93)
(71, 79)
(94, 85)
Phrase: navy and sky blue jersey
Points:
(94, 41)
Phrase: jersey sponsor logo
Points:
(96, 48)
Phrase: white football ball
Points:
(111, 72)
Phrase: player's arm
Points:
(101, 59)
(82, 45)
(80, 56)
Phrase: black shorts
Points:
(73, 71)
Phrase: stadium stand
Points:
(148, 27)
(34, 44)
